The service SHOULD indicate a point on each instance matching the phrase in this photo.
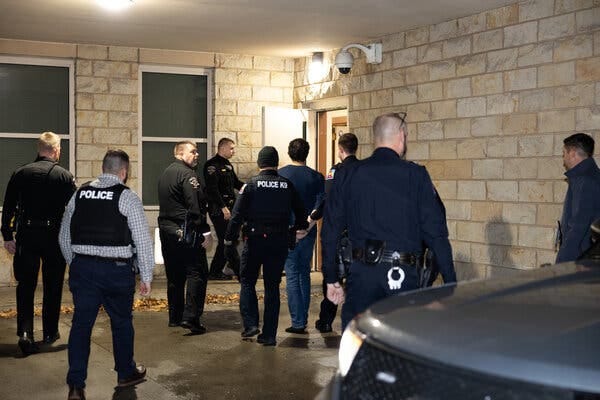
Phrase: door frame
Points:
(317, 110)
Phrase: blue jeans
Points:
(95, 282)
(297, 276)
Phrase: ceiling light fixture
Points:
(114, 5)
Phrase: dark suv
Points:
(532, 335)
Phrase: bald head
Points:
(389, 130)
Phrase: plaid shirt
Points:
(131, 207)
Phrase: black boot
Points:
(27, 344)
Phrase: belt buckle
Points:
(395, 258)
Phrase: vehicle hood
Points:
(538, 326)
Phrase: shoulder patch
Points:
(330, 174)
(194, 182)
(241, 191)
(211, 169)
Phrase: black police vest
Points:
(97, 220)
(272, 203)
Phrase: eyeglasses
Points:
(401, 116)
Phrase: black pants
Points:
(34, 245)
(186, 270)
(328, 309)
(218, 261)
(366, 284)
(271, 253)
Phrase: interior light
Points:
(318, 68)
(114, 5)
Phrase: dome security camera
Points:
(344, 61)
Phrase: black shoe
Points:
(323, 327)
(252, 331)
(173, 324)
(266, 341)
(49, 339)
(195, 327)
(135, 378)
(28, 345)
(76, 393)
(299, 331)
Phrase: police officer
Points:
(34, 204)
(388, 206)
(264, 205)
(221, 182)
(184, 236)
(347, 146)
(104, 227)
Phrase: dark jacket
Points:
(221, 181)
(37, 194)
(581, 208)
(181, 193)
(317, 213)
(265, 204)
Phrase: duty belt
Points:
(391, 257)
(106, 259)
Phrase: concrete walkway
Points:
(217, 365)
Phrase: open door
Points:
(330, 125)
(280, 126)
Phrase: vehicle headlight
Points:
(351, 341)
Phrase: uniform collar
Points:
(385, 152)
(272, 172)
(44, 158)
(220, 157)
(582, 168)
(349, 158)
(177, 160)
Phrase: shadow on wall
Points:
(499, 237)
(466, 271)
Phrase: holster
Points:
(344, 255)
(423, 274)
(189, 233)
(373, 251)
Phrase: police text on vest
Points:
(99, 195)
(271, 184)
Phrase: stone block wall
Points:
(106, 103)
(489, 97)
(106, 107)
(243, 85)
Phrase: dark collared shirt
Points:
(221, 181)
(39, 191)
(385, 198)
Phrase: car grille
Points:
(380, 374)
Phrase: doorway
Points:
(330, 124)
(320, 123)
